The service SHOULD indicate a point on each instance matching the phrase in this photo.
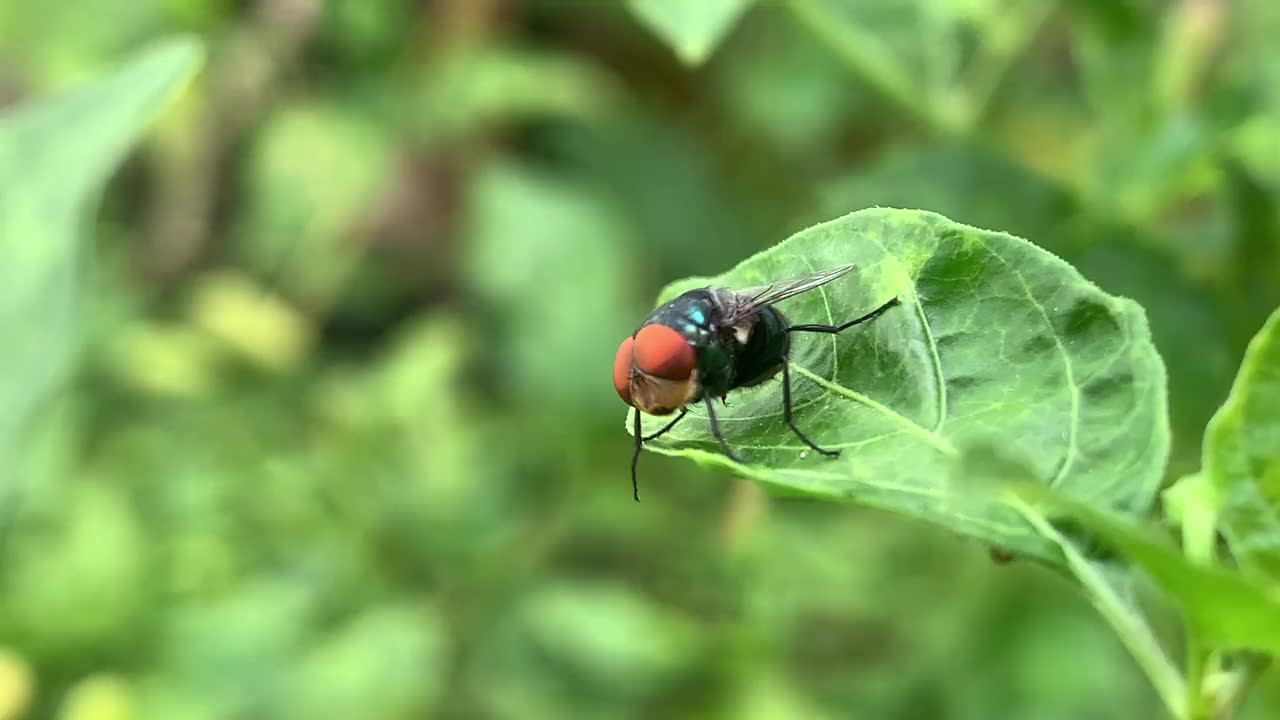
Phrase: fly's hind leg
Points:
(833, 329)
(786, 368)
(786, 410)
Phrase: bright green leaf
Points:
(55, 156)
(75, 576)
(1191, 504)
(1242, 456)
(693, 29)
(996, 342)
(98, 697)
(610, 636)
(385, 663)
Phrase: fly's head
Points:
(656, 370)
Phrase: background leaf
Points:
(1242, 457)
(941, 61)
(996, 341)
(339, 431)
(54, 158)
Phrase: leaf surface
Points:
(996, 342)
(1242, 457)
(55, 155)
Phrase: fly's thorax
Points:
(697, 317)
(745, 353)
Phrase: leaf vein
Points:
(939, 381)
(1072, 450)
(918, 429)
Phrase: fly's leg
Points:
(642, 439)
(668, 426)
(715, 430)
(786, 368)
(833, 329)
(786, 410)
(635, 458)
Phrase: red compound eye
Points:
(622, 370)
(664, 353)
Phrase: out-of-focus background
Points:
(341, 441)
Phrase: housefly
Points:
(710, 341)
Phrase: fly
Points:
(712, 340)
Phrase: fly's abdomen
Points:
(761, 359)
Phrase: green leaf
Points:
(75, 576)
(610, 636)
(941, 61)
(1191, 505)
(1108, 596)
(1226, 609)
(312, 174)
(387, 662)
(692, 29)
(55, 155)
(955, 179)
(524, 227)
(996, 342)
(1242, 457)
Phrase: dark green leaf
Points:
(996, 342)
(1242, 457)
(524, 228)
(941, 61)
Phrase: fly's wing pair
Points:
(746, 302)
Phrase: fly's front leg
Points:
(668, 426)
(635, 456)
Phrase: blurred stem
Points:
(871, 59)
(237, 90)
(936, 32)
(996, 56)
(1197, 671)
(1191, 40)
(1132, 628)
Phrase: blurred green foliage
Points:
(338, 440)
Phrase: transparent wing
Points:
(749, 300)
